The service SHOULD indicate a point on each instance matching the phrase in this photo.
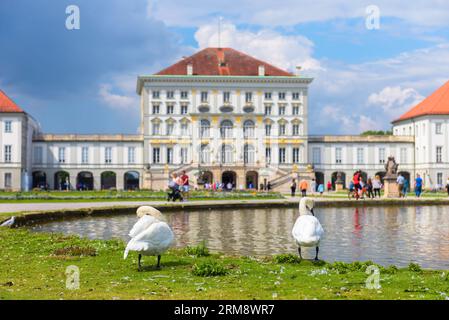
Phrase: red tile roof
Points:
(435, 104)
(7, 105)
(223, 62)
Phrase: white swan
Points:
(9, 222)
(150, 236)
(307, 230)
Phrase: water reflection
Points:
(394, 235)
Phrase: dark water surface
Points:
(385, 235)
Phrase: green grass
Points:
(107, 196)
(33, 266)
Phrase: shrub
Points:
(287, 258)
(414, 267)
(209, 269)
(200, 250)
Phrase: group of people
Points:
(215, 186)
(179, 187)
(371, 188)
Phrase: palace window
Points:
(226, 129)
(226, 154)
(248, 129)
(183, 155)
(184, 129)
(8, 153)
(382, 155)
(205, 129)
(282, 129)
(338, 155)
(156, 155)
(170, 129)
(282, 158)
(268, 95)
(268, 155)
(169, 155)
(156, 94)
(438, 128)
(85, 155)
(248, 97)
(108, 155)
(8, 126)
(61, 155)
(439, 154)
(226, 97)
(295, 129)
(268, 130)
(295, 110)
(184, 109)
(296, 157)
(170, 94)
(131, 154)
(360, 156)
(184, 94)
(204, 154)
(38, 154)
(156, 109)
(403, 155)
(204, 96)
(156, 129)
(170, 109)
(267, 110)
(248, 154)
(440, 179)
(282, 110)
(281, 95)
(316, 155)
(295, 95)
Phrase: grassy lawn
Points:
(33, 267)
(105, 196)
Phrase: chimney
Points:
(189, 69)
(261, 70)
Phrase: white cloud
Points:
(118, 101)
(395, 100)
(347, 123)
(280, 50)
(192, 13)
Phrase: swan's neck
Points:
(303, 210)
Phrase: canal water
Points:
(385, 235)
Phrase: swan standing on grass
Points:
(307, 230)
(150, 236)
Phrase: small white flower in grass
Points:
(274, 295)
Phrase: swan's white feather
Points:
(154, 240)
(307, 231)
(143, 223)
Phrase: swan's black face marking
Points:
(311, 210)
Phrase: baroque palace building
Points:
(223, 116)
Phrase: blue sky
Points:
(83, 81)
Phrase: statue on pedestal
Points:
(390, 184)
(391, 167)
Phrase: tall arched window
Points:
(226, 154)
(205, 153)
(204, 129)
(226, 127)
(248, 154)
(248, 129)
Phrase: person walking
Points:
(303, 186)
(405, 189)
(321, 189)
(369, 188)
(185, 185)
(313, 186)
(329, 186)
(293, 187)
(418, 185)
(377, 185)
(356, 180)
(400, 181)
